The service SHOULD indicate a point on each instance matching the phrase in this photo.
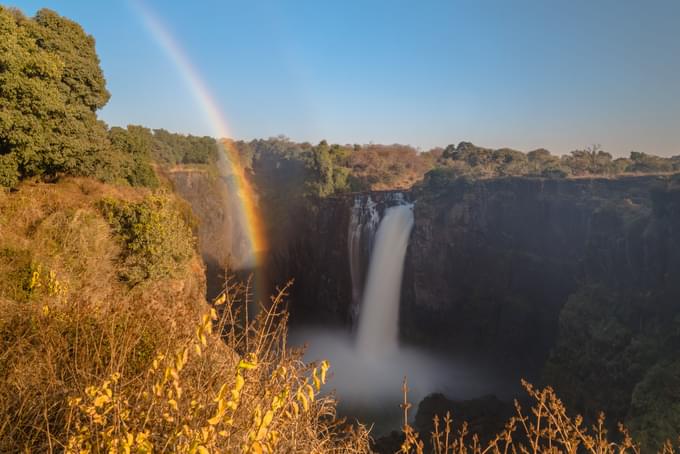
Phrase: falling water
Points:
(379, 320)
(368, 365)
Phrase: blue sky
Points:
(523, 74)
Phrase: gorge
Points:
(509, 272)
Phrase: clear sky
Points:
(523, 74)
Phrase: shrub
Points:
(66, 382)
(157, 241)
(9, 171)
(260, 398)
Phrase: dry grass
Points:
(65, 319)
(255, 395)
(546, 428)
(76, 380)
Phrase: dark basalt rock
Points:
(492, 262)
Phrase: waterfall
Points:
(368, 362)
(379, 319)
(363, 224)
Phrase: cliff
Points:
(572, 281)
(491, 263)
(207, 195)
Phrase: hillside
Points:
(104, 325)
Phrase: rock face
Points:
(316, 255)
(492, 262)
(316, 258)
(207, 196)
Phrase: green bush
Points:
(9, 171)
(156, 239)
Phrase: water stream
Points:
(379, 321)
(368, 363)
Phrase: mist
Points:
(369, 386)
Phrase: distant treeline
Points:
(305, 169)
(470, 160)
(324, 169)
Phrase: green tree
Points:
(50, 87)
(133, 146)
(322, 166)
(590, 161)
(645, 163)
(82, 79)
(654, 415)
(187, 149)
(29, 92)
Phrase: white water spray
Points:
(367, 366)
(379, 320)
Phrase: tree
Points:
(645, 163)
(654, 415)
(82, 79)
(133, 147)
(322, 166)
(543, 163)
(29, 92)
(591, 160)
(187, 149)
(50, 86)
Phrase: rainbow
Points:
(246, 208)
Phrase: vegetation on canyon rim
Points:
(101, 288)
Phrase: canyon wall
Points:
(491, 263)
(569, 282)
(206, 193)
